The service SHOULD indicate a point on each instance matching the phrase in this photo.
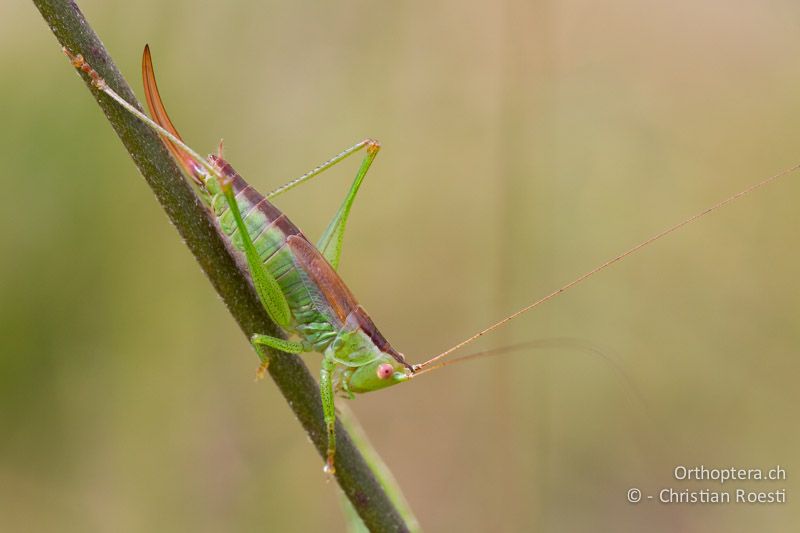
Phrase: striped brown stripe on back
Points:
(266, 207)
(336, 292)
(368, 326)
(242, 189)
(312, 262)
(323, 276)
(287, 226)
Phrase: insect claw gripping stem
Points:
(80, 63)
(261, 373)
(329, 469)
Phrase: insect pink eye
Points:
(385, 370)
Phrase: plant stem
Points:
(193, 222)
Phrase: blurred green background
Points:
(524, 143)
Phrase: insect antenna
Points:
(421, 367)
(556, 343)
(535, 344)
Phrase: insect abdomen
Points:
(269, 230)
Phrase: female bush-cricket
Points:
(297, 282)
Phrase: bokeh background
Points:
(524, 143)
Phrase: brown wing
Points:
(159, 114)
(322, 274)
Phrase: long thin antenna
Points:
(419, 367)
(562, 343)
(535, 344)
